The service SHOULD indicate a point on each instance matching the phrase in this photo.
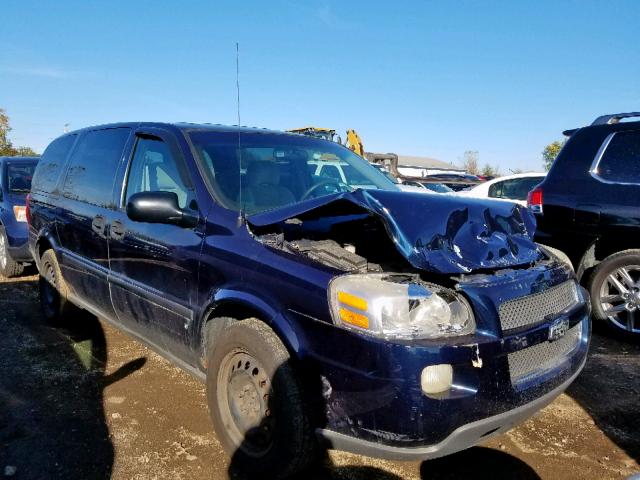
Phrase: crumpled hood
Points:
(438, 233)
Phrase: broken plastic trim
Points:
(443, 234)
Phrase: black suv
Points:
(589, 207)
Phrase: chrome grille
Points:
(523, 311)
(543, 356)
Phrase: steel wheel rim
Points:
(50, 281)
(244, 389)
(620, 298)
(3, 252)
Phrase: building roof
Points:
(425, 162)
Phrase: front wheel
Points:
(615, 292)
(256, 403)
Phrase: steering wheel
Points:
(330, 181)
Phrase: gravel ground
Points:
(91, 403)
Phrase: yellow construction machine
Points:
(354, 142)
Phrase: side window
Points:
(621, 160)
(495, 190)
(155, 169)
(93, 166)
(51, 164)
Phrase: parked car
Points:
(514, 188)
(456, 182)
(432, 187)
(15, 182)
(386, 323)
(589, 207)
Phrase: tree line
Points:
(471, 163)
(7, 149)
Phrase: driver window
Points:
(154, 169)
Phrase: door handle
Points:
(98, 224)
(117, 230)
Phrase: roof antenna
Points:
(241, 212)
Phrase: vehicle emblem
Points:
(558, 329)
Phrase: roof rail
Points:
(614, 118)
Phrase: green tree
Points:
(550, 153)
(489, 171)
(6, 147)
(25, 152)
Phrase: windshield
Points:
(386, 173)
(19, 176)
(270, 170)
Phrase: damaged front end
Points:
(443, 235)
(401, 253)
(449, 307)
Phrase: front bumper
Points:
(463, 437)
(371, 392)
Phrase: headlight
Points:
(398, 307)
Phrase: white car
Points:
(513, 188)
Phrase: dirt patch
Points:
(89, 402)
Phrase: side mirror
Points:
(159, 207)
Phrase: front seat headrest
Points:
(262, 172)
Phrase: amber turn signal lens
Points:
(354, 318)
(352, 301)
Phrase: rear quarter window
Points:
(51, 164)
(620, 161)
(93, 166)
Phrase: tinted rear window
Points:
(51, 163)
(621, 160)
(93, 166)
(19, 176)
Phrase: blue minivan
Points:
(319, 315)
(15, 183)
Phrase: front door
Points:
(154, 266)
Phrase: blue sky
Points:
(419, 78)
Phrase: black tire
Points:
(54, 293)
(602, 288)
(256, 402)
(8, 266)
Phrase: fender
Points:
(224, 301)
(588, 259)
(44, 236)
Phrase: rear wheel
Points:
(256, 403)
(615, 292)
(54, 292)
(8, 266)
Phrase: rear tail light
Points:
(20, 213)
(534, 200)
(27, 212)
